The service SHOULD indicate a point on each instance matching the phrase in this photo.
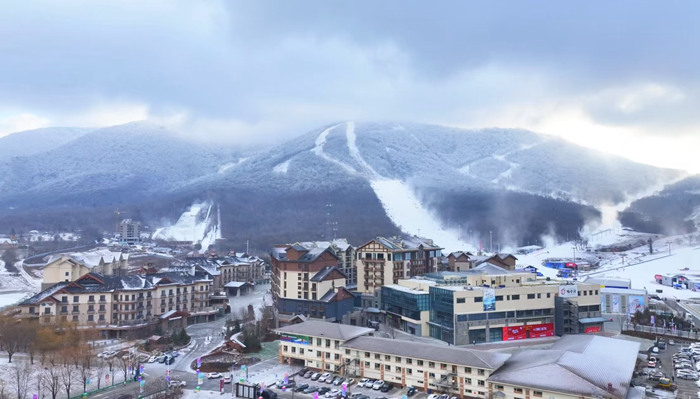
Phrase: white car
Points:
(227, 379)
(433, 396)
(377, 384)
(332, 393)
(349, 381)
(324, 377)
(211, 376)
(176, 383)
(362, 382)
(152, 359)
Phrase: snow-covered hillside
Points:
(199, 224)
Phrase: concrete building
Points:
(129, 231)
(307, 281)
(459, 261)
(406, 306)
(383, 261)
(115, 304)
(575, 367)
(71, 266)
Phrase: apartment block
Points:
(383, 261)
(71, 266)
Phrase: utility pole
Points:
(490, 241)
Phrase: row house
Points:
(383, 261)
(114, 304)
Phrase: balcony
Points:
(91, 311)
(91, 300)
(103, 300)
(102, 310)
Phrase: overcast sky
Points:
(622, 76)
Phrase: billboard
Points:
(568, 291)
(635, 304)
(513, 333)
(590, 330)
(603, 304)
(489, 299)
(296, 339)
(616, 304)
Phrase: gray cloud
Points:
(276, 68)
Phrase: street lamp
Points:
(490, 241)
(669, 247)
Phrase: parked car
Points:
(411, 391)
(323, 390)
(300, 387)
(308, 374)
(362, 382)
(386, 387)
(651, 364)
(377, 385)
(211, 376)
(315, 376)
(349, 381)
(177, 383)
(303, 371)
(338, 380)
(161, 359)
(656, 375)
(151, 359)
(444, 396)
(433, 396)
(323, 377)
(332, 393)
(311, 390)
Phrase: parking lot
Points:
(686, 387)
(352, 390)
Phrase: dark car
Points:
(267, 394)
(311, 390)
(411, 391)
(386, 387)
(303, 371)
(308, 374)
(301, 387)
(323, 391)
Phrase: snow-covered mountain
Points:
(355, 180)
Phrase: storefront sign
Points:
(589, 330)
(568, 291)
(296, 339)
(513, 333)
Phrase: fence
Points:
(666, 331)
(86, 394)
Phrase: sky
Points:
(622, 76)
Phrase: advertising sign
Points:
(589, 330)
(568, 291)
(603, 304)
(513, 333)
(616, 304)
(296, 339)
(489, 299)
(635, 304)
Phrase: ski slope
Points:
(200, 223)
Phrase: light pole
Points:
(490, 241)
(574, 262)
(668, 243)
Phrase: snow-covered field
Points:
(637, 264)
(201, 223)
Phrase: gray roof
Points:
(406, 243)
(576, 364)
(323, 273)
(325, 329)
(436, 353)
(235, 284)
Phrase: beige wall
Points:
(321, 354)
(513, 392)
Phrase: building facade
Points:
(384, 261)
(115, 304)
(71, 266)
(129, 231)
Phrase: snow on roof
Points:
(325, 329)
(406, 289)
(406, 243)
(585, 365)
(235, 284)
(38, 298)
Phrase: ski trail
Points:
(318, 150)
(351, 138)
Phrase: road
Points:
(204, 338)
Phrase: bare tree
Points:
(67, 376)
(100, 370)
(21, 377)
(51, 377)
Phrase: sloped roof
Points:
(325, 329)
(438, 353)
(40, 297)
(576, 364)
(325, 272)
(406, 243)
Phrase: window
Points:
(376, 366)
(387, 368)
(537, 394)
(318, 353)
(478, 299)
(596, 292)
(76, 298)
(102, 298)
(431, 364)
(328, 355)
(367, 364)
(91, 317)
(47, 310)
(480, 371)
(387, 357)
(91, 298)
(409, 371)
(468, 381)
(499, 387)
(461, 300)
(64, 299)
(398, 369)
(518, 390)
(548, 294)
(480, 383)
(539, 296)
(64, 309)
(530, 296)
(377, 356)
(516, 297)
(347, 351)
(499, 297)
(76, 308)
(67, 274)
(286, 349)
(468, 370)
(75, 318)
(409, 361)
(366, 354)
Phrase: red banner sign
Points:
(589, 330)
(513, 333)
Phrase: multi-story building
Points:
(459, 261)
(306, 280)
(242, 267)
(384, 261)
(492, 304)
(576, 367)
(407, 306)
(129, 231)
(71, 266)
(114, 304)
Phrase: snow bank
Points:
(201, 223)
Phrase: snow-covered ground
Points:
(14, 288)
(201, 223)
(637, 264)
(396, 196)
